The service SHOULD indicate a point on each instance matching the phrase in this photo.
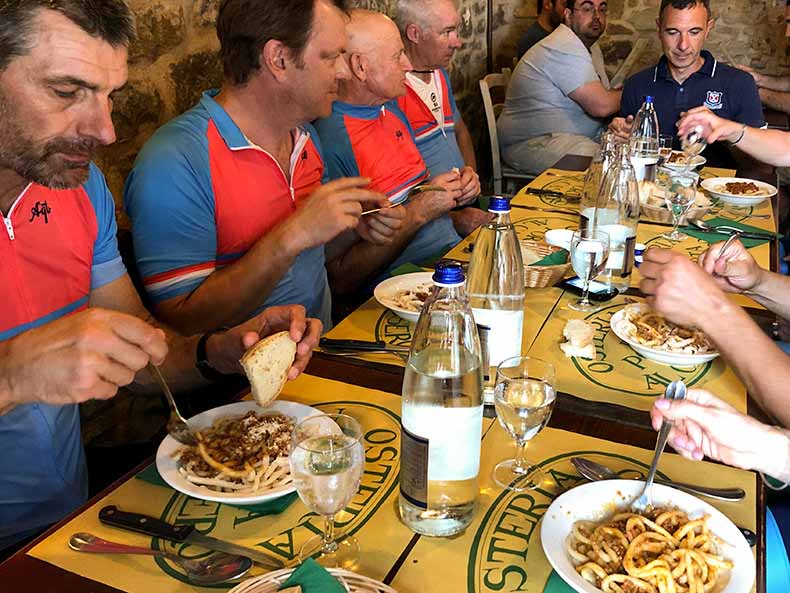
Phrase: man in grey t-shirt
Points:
(559, 94)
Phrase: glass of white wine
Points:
(524, 398)
(327, 460)
(680, 197)
(589, 253)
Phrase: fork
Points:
(177, 427)
(644, 504)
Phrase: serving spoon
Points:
(217, 567)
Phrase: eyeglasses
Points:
(589, 9)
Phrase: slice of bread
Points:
(266, 365)
(580, 335)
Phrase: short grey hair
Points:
(416, 12)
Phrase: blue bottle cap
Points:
(499, 204)
(648, 99)
(448, 273)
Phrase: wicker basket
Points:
(543, 276)
(651, 213)
(271, 581)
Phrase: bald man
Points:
(368, 135)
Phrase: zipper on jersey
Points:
(9, 226)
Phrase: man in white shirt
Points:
(559, 95)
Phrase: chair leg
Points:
(497, 186)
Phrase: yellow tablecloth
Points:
(501, 551)
(619, 375)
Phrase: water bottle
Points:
(602, 160)
(644, 142)
(496, 290)
(442, 412)
(617, 214)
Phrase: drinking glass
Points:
(664, 149)
(524, 398)
(680, 197)
(589, 252)
(327, 460)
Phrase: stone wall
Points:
(174, 57)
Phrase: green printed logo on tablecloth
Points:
(393, 329)
(380, 478)
(620, 368)
(692, 246)
(501, 557)
(534, 228)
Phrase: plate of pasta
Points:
(738, 191)
(595, 543)
(241, 456)
(404, 295)
(658, 339)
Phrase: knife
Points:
(743, 235)
(111, 515)
(361, 345)
(550, 192)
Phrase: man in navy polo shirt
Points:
(686, 76)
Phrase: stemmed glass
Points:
(524, 399)
(327, 460)
(664, 149)
(589, 253)
(680, 197)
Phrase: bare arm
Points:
(779, 100)
(596, 100)
(768, 146)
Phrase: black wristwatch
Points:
(201, 359)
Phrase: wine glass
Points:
(589, 253)
(327, 460)
(680, 197)
(524, 398)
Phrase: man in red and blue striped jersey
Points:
(72, 326)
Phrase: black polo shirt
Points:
(728, 92)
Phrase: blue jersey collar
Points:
(708, 67)
(361, 111)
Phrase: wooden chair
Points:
(493, 88)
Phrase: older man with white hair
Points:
(368, 135)
(429, 30)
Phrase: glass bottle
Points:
(645, 142)
(600, 164)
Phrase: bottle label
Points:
(504, 335)
(453, 436)
(414, 468)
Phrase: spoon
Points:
(674, 391)
(213, 569)
(594, 471)
(177, 427)
(730, 230)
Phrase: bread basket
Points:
(271, 582)
(651, 213)
(542, 276)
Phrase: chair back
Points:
(493, 88)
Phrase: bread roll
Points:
(580, 335)
(266, 365)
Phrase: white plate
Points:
(598, 500)
(390, 287)
(559, 238)
(655, 354)
(711, 185)
(168, 467)
(695, 162)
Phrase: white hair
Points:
(416, 12)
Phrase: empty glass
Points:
(327, 461)
(589, 253)
(664, 149)
(680, 197)
(524, 398)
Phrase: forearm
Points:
(776, 461)
(768, 146)
(774, 83)
(771, 292)
(230, 296)
(750, 351)
(465, 144)
(779, 100)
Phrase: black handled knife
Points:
(361, 345)
(555, 194)
(111, 515)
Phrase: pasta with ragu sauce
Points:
(663, 551)
(652, 330)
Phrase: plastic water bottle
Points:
(644, 142)
(602, 160)
(496, 290)
(442, 412)
(617, 214)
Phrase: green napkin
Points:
(270, 507)
(553, 259)
(555, 584)
(407, 268)
(313, 578)
(710, 237)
